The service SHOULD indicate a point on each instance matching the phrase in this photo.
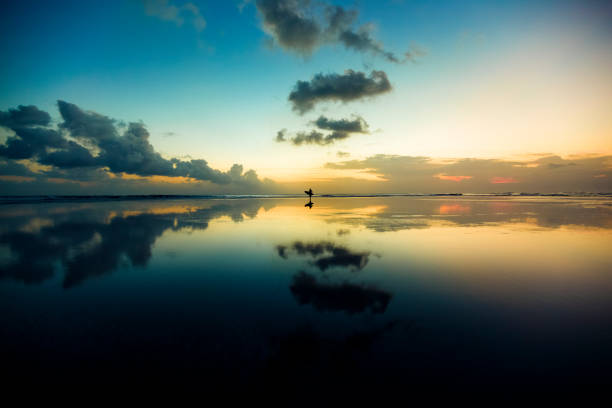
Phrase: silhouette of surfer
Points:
(309, 204)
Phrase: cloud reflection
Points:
(403, 213)
(86, 244)
(326, 254)
(348, 297)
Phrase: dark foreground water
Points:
(354, 292)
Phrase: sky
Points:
(273, 96)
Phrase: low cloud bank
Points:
(87, 145)
(417, 174)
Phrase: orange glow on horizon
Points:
(59, 180)
(18, 179)
(503, 180)
(443, 176)
(159, 179)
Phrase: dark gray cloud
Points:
(356, 125)
(312, 137)
(74, 155)
(302, 26)
(30, 141)
(24, 116)
(11, 168)
(128, 153)
(89, 140)
(346, 87)
(318, 138)
(340, 129)
(32, 135)
(289, 23)
(363, 41)
(280, 135)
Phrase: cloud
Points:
(302, 26)
(340, 129)
(89, 140)
(73, 155)
(357, 125)
(318, 138)
(312, 137)
(347, 297)
(12, 168)
(412, 174)
(288, 22)
(133, 154)
(415, 53)
(280, 135)
(24, 116)
(347, 87)
(362, 41)
(166, 11)
(559, 165)
(32, 135)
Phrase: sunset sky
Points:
(274, 96)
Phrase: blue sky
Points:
(220, 94)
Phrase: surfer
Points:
(309, 204)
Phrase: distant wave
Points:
(509, 194)
(88, 198)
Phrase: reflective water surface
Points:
(381, 291)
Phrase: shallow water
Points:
(388, 290)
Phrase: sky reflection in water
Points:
(393, 290)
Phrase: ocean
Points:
(389, 290)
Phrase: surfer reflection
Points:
(309, 204)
